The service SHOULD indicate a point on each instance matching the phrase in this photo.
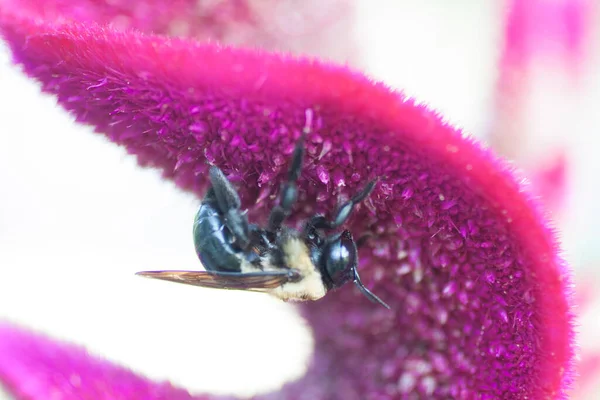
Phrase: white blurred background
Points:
(78, 218)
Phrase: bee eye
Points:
(340, 259)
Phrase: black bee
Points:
(279, 260)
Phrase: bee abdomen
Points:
(212, 241)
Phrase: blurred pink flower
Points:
(479, 295)
(540, 67)
(549, 180)
(35, 367)
(316, 27)
(541, 94)
(588, 366)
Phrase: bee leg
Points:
(320, 222)
(228, 202)
(289, 191)
(346, 209)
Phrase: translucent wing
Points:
(254, 281)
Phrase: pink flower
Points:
(540, 71)
(479, 295)
(312, 26)
(35, 367)
(541, 99)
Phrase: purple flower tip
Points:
(479, 294)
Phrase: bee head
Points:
(338, 261)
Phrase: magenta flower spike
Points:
(35, 367)
(479, 295)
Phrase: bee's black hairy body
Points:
(228, 244)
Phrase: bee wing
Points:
(253, 281)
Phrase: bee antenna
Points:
(367, 292)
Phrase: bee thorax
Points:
(311, 286)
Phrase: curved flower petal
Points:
(35, 367)
(480, 297)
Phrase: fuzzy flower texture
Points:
(479, 295)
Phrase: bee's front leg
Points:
(289, 191)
